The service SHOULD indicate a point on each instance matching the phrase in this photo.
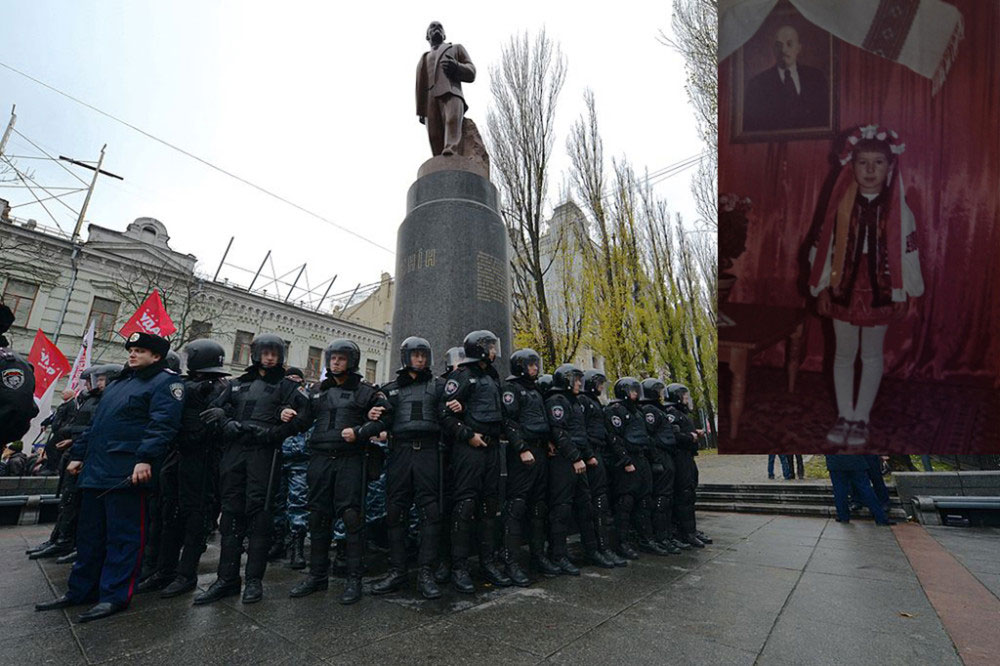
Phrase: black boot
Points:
(702, 537)
(442, 572)
(604, 540)
(68, 558)
(298, 558)
(565, 566)
(352, 590)
(536, 544)
(426, 585)
(692, 540)
(492, 573)
(597, 558)
(57, 549)
(647, 545)
(277, 550)
(667, 545)
(42, 546)
(461, 580)
(514, 570)
(220, 589)
(394, 580)
(309, 585)
(154, 583)
(680, 545)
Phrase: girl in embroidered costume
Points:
(865, 267)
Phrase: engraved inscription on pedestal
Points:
(422, 258)
(490, 281)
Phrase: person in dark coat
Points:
(789, 95)
(851, 472)
(138, 416)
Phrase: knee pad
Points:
(352, 520)
(465, 509)
(232, 523)
(516, 508)
(601, 504)
(559, 514)
(430, 513)
(646, 503)
(661, 503)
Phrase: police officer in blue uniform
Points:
(255, 412)
(338, 411)
(527, 467)
(186, 479)
(413, 476)
(475, 433)
(137, 418)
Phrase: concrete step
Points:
(821, 510)
(787, 497)
(800, 487)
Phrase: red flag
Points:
(151, 317)
(49, 363)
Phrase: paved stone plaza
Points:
(771, 590)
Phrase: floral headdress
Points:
(876, 132)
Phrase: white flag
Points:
(82, 361)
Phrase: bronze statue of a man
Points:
(440, 104)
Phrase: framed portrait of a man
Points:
(785, 81)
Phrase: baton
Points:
(121, 484)
(270, 481)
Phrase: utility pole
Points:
(74, 258)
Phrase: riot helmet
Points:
(205, 356)
(653, 390)
(478, 344)
(625, 386)
(521, 359)
(565, 376)
(594, 381)
(267, 341)
(348, 348)
(414, 344)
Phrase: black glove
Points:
(232, 430)
(656, 468)
(212, 415)
(257, 434)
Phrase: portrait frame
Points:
(755, 57)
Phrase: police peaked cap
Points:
(153, 343)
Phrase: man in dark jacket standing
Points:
(137, 418)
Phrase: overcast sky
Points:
(314, 101)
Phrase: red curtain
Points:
(951, 170)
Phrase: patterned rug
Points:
(913, 417)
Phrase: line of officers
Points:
(488, 463)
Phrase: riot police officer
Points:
(337, 476)
(251, 413)
(661, 462)
(627, 439)
(453, 358)
(291, 516)
(187, 477)
(17, 387)
(678, 409)
(597, 474)
(527, 467)
(475, 432)
(413, 474)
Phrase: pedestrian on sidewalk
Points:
(850, 473)
(786, 469)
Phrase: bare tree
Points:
(520, 132)
(695, 26)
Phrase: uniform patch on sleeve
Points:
(558, 412)
(177, 390)
(670, 417)
(650, 419)
(302, 390)
(508, 397)
(451, 387)
(616, 421)
(13, 378)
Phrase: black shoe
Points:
(298, 559)
(68, 558)
(666, 545)
(154, 583)
(101, 610)
(702, 537)
(178, 586)
(650, 546)
(692, 541)
(52, 550)
(394, 580)
(544, 565)
(677, 543)
(597, 558)
(352, 590)
(517, 575)
(253, 591)
(310, 585)
(566, 567)
(462, 581)
(492, 574)
(442, 573)
(425, 584)
(42, 546)
(220, 589)
(615, 558)
(55, 604)
(626, 551)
